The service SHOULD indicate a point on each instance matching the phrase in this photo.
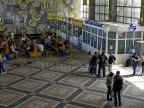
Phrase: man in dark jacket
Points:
(93, 64)
(102, 64)
(111, 60)
(117, 87)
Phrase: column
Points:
(112, 10)
(91, 9)
(141, 21)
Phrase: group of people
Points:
(28, 44)
(53, 42)
(99, 61)
(114, 84)
(135, 59)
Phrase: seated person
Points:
(28, 47)
(41, 49)
(13, 50)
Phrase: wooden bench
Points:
(35, 52)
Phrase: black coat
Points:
(118, 82)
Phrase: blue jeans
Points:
(117, 94)
(93, 69)
(1, 67)
(134, 68)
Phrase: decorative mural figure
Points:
(25, 15)
(16, 20)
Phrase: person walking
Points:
(117, 87)
(1, 65)
(135, 59)
(142, 59)
(102, 64)
(109, 84)
(111, 60)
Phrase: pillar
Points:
(113, 10)
(91, 9)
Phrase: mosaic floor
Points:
(63, 82)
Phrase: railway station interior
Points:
(71, 53)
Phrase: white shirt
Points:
(12, 49)
(41, 47)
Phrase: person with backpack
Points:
(109, 84)
(102, 64)
(117, 87)
(111, 60)
(135, 59)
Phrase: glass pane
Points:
(92, 41)
(97, 17)
(100, 32)
(120, 11)
(120, 19)
(127, 12)
(127, 20)
(136, 12)
(130, 34)
(121, 35)
(137, 34)
(106, 10)
(95, 42)
(129, 44)
(95, 31)
(111, 46)
(104, 45)
(128, 2)
(120, 2)
(121, 46)
(88, 37)
(112, 35)
(84, 37)
(96, 9)
(97, 2)
(136, 3)
(101, 9)
(99, 43)
(104, 34)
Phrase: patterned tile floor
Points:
(63, 82)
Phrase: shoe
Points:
(115, 104)
(5, 72)
(1, 73)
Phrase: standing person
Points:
(135, 59)
(109, 84)
(1, 64)
(142, 59)
(102, 64)
(111, 60)
(132, 51)
(117, 87)
(93, 64)
(89, 59)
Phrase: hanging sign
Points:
(51, 16)
(77, 22)
(132, 27)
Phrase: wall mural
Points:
(33, 14)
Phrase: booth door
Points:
(111, 46)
